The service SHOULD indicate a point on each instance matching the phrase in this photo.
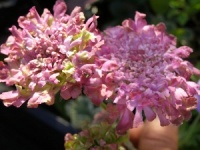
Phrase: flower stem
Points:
(190, 133)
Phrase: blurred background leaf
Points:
(80, 111)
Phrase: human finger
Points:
(153, 136)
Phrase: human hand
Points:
(151, 136)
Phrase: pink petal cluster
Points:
(43, 54)
(139, 68)
(3, 72)
(144, 74)
(198, 99)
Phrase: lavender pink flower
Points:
(42, 52)
(3, 72)
(198, 99)
(143, 72)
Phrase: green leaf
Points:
(177, 4)
(159, 6)
(182, 18)
(80, 111)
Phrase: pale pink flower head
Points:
(42, 52)
(147, 72)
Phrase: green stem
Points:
(190, 132)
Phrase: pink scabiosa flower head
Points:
(41, 55)
(147, 73)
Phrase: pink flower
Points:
(3, 72)
(43, 54)
(125, 121)
(147, 73)
(198, 99)
(12, 98)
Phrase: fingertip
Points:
(135, 135)
(154, 136)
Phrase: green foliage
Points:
(97, 136)
(80, 111)
(159, 7)
(189, 133)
